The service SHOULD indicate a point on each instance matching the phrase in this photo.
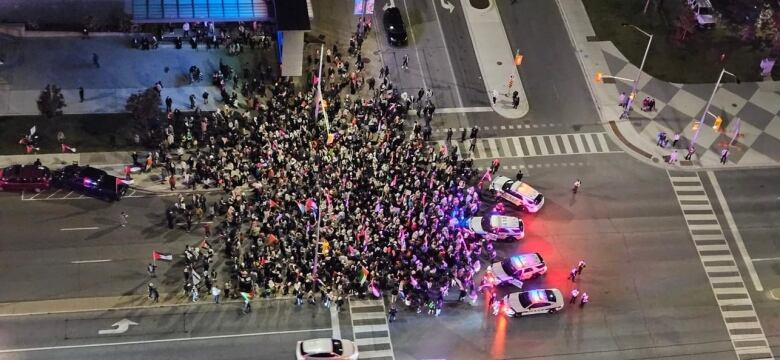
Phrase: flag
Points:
(300, 207)
(311, 205)
(195, 277)
(161, 256)
(363, 276)
(204, 244)
(246, 296)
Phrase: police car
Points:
(333, 349)
(497, 227)
(517, 193)
(518, 267)
(541, 301)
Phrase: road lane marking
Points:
(735, 232)
(767, 259)
(80, 228)
(54, 193)
(725, 281)
(447, 50)
(334, 323)
(414, 40)
(90, 261)
(158, 341)
(373, 334)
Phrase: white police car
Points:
(497, 227)
(332, 349)
(517, 193)
(519, 267)
(541, 301)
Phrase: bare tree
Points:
(144, 105)
(51, 101)
(686, 24)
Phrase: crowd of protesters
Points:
(390, 206)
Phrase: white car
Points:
(497, 227)
(517, 193)
(519, 267)
(541, 301)
(333, 349)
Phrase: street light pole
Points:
(709, 102)
(632, 95)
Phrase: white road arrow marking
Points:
(121, 327)
(389, 4)
(447, 6)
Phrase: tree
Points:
(686, 24)
(51, 101)
(144, 105)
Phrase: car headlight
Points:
(508, 311)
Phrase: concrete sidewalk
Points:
(679, 106)
(495, 57)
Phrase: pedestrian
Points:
(676, 139)
(428, 93)
(153, 293)
(205, 97)
(573, 275)
(192, 101)
(172, 182)
(151, 268)
(474, 133)
(247, 306)
(574, 294)
(194, 294)
(463, 135)
(690, 153)
(95, 60)
(168, 104)
(170, 218)
(724, 155)
(576, 187)
(449, 135)
(519, 175)
(206, 230)
(494, 96)
(215, 292)
(420, 94)
(473, 145)
(392, 313)
(123, 219)
(580, 266)
(495, 165)
(405, 64)
(81, 94)
(584, 300)
(515, 102)
(622, 99)
(673, 157)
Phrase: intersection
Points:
(682, 263)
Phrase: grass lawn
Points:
(697, 60)
(88, 133)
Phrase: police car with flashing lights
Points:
(518, 267)
(540, 301)
(517, 193)
(497, 227)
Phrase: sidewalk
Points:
(679, 107)
(495, 57)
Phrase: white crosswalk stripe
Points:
(533, 146)
(730, 292)
(370, 329)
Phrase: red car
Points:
(25, 177)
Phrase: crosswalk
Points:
(370, 330)
(736, 307)
(533, 146)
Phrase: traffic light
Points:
(716, 124)
(600, 77)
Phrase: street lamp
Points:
(709, 102)
(631, 96)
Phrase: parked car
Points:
(394, 27)
(91, 181)
(703, 12)
(517, 193)
(332, 349)
(25, 177)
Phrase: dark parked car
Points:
(394, 26)
(25, 177)
(91, 181)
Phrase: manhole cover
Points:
(480, 4)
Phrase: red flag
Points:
(161, 256)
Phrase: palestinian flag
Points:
(156, 255)
(246, 296)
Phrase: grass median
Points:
(87, 133)
(695, 60)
